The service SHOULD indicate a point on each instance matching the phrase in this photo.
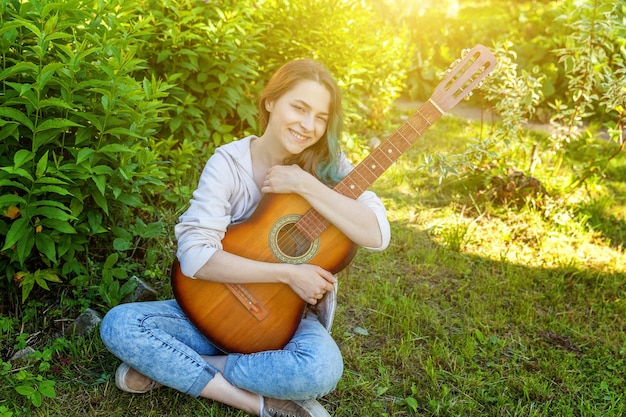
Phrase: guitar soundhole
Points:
(288, 244)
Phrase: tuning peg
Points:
(470, 94)
(455, 63)
(464, 52)
(445, 73)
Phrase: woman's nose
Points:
(307, 122)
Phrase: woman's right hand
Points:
(310, 282)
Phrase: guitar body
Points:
(268, 321)
(258, 317)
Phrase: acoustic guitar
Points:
(284, 228)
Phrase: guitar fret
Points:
(312, 224)
(391, 149)
(380, 153)
(369, 172)
(349, 189)
(352, 184)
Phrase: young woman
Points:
(300, 111)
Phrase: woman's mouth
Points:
(298, 136)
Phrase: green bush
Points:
(220, 55)
(211, 53)
(110, 109)
(369, 58)
(75, 138)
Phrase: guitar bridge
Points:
(245, 297)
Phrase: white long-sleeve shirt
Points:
(227, 194)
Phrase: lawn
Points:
(476, 308)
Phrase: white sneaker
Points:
(326, 309)
(314, 408)
(286, 408)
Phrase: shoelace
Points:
(278, 413)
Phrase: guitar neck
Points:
(459, 82)
(372, 167)
(312, 224)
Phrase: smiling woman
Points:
(204, 353)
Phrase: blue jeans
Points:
(156, 339)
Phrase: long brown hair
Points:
(321, 158)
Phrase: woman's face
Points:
(298, 119)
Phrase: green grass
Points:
(474, 310)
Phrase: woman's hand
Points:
(310, 282)
(283, 179)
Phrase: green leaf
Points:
(46, 74)
(31, 27)
(120, 244)
(101, 202)
(412, 402)
(9, 129)
(130, 200)
(52, 213)
(163, 55)
(361, 331)
(20, 117)
(25, 390)
(51, 189)
(114, 147)
(42, 276)
(102, 170)
(42, 165)
(92, 118)
(41, 282)
(20, 67)
(58, 225)
(47, 388)
(21, 157)
(45, 245)
(19, 229)
(100, 181)
(27, 286)
(11, 200)
(110, 261)
(9, 183)
(25, 246)
(153, 230)
(49, 203)
(44, 137)
(117, 131)
(54, 102)
(56, 123)
(83, 155)
(18, 172)
(36, 399)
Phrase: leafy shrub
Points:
(75, 138)
(367, 56)
(210, 53)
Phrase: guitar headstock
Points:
(467, 72)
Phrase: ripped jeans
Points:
(156, 339)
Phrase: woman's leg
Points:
(157, 340)
(308, 367)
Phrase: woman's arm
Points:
(310, 282)
(358, 221)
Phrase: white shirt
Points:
(227, 194)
